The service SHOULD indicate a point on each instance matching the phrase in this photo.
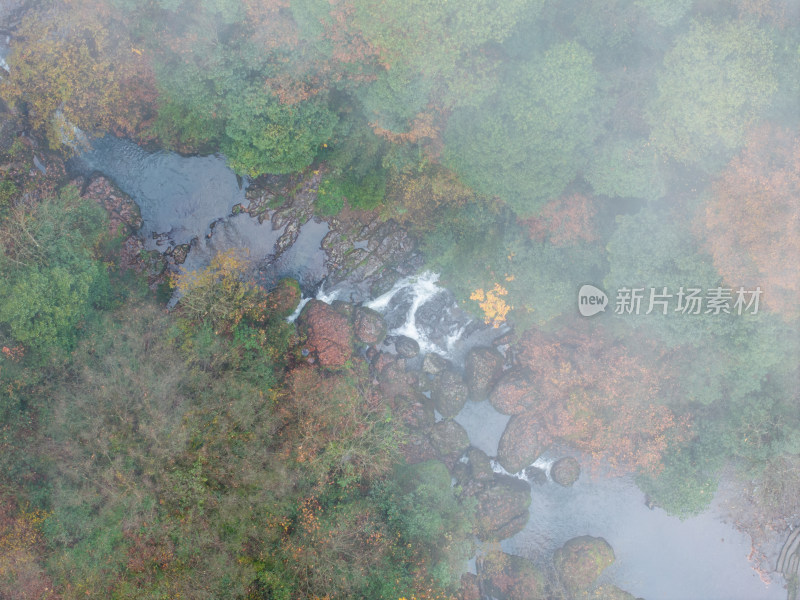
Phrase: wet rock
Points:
(284, 299)
(434, 364)
(344, 308)
(449, 393)
(449, 439)
(566, 471)
(482, 368)
(415, 412)
(509, 577)
(479, 465)
(399, 306)
(328, 333)
(406, 347)
(469, 590)
(536, 475)
(513, 394)
(580, 561)
(370, 328)
(395, 380)
(520, 444)
(179, 253)
(502, 506)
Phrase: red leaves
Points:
(752, 224)
(565, 221)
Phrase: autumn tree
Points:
(716, 81)
(567, 220)
(750, 223)
(75, 63)
(595, 395)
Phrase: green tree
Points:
(52, 277)
(716, 81)
(529, 142)
(264, 136)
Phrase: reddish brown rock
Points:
(370, 328)
(328, 334)
(521, 443)
(513, 394)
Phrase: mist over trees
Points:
(527, 147)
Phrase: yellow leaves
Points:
(493, 306)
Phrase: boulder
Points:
(580, 561)
(520, 443)
(415, 411)
(513, 394)
(482, 368)
(406, 347)
(479, 466)
(328, 334)
(566, 471)
(449, 439)
(502, 506)
(509, 577)
(344, 308)
(395, 380)
(433, 364)
(369, 326)
(449, 393)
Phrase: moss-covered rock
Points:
(509, 577)
(566, 471)
(580, 561)
(513, 394)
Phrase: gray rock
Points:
(434, 364)
(406, 346)
(482, 369)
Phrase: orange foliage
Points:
(565, 221)
(75, 57)
(493, 306)
(752, 223)
(599, 398)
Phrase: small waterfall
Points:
(422, 288)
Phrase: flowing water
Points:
(658, 557)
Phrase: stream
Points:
(189, 200)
